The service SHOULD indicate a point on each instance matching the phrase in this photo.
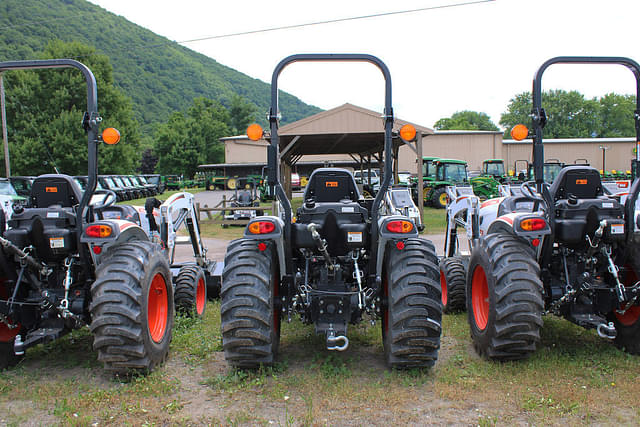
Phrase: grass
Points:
(574, 378)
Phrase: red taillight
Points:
(400, 226)
(535, 243)
(533, 224)
(97, 250)
(98, 230)
(400, 245)
(262, 246)
(262, 227)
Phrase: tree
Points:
(243, 113)
(192, 138)
(466, 120)
(45, 109)
(616, 115)
(569, 114)
(148, 162)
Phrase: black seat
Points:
(331, 185)
(55, 190)
(580, 182)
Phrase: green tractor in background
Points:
(493, 174)
(437, 175)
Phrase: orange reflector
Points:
(519, 132)
(333, 184)
(261, 227)
(111, 136)
(408, 132)
(98, 231)
(581, 182)
(51, 189)
(254, 132)
(533, 224)
(400, 226)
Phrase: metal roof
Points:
(347, 129)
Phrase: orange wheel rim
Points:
(630, 317)
(200, 296)
(443, 286)
(158, 308)
(480, 298)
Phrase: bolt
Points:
(339, 311)
(321, 311)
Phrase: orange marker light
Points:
(111, 136)
(254, 132)
(519, 132)
(408, 132)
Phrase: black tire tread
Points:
(513, 330)
(116, 308)
(246, 305)
(454, 273)
(414, 306)
(186, 288)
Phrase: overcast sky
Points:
(473, 57)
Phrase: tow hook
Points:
(607, 331)
(333, 342)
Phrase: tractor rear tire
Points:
(132, 308)
(191, 291)
(8, 357)
(504, 298)
(453, 282)
(439, 198)
(412, 311)
(250, 320)
(628, 324)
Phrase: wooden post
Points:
(420, 177)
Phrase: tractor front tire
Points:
(439, 198)
(453, 282)
(504, 298)
(191, 291)
(250, 320)
(132, 308)
(412, 312)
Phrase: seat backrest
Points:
(55, 189)
(582, 182)
(331, 185)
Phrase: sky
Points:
(446, 59)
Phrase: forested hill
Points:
(159, 75)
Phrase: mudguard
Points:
(276, 236)
(385, 236)
(121, 231)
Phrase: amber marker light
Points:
(408, 132)
(254, 132)
(111, 136)
(519, 132)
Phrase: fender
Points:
(276, 236)
(384, 236)
(121, 231)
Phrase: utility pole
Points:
(7, 164)
(604, 149)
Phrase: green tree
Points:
(569, 114)
(466, 120)
(616, 115)
(243, 113)
(45, 109)
(192, 138)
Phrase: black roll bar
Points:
(274, 148)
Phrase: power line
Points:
(331, 21)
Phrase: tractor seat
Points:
(331, 185)
(55, 190)
(581, 182)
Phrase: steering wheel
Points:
(109, 199)
(530, 192)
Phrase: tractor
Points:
(438, 174)
(75, 259)
(563, 248)
(341, 259)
